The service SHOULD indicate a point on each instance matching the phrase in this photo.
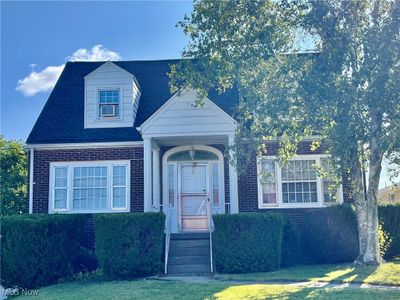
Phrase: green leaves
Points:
(14, 177)
(353, 74)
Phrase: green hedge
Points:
(247, 242)
(129, 244)
(37, 250)
(292, 253)
(389, 219)
(330, 235)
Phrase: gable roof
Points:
(62, 118)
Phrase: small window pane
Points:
(119, 197)
(61, 175)
(60, 198)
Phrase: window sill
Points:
(296, 206)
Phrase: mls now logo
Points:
(4, 293)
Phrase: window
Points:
(326, 183)
(299, 182)
(90, 187)
(296, 184)
(171, 185)
(119, 187)
(268, 182)
(109, 103)
(215, 189)
(60, 188)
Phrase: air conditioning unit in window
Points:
(108, 110)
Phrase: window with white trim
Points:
(109, 103)
(296, 184)
(89, 186)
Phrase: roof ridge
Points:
(127, 61)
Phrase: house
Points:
(112, 139)
(389, 194)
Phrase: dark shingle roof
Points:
(61, 120)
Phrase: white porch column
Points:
(147, 174)
(233, 181)
(156, 179)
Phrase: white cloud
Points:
(44, 80)
(97, 53)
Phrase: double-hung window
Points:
(89, 186)
(296, 184)
(109, 103)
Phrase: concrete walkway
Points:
(309, 284)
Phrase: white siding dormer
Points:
(111, 97)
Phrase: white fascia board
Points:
(84, 145)
(108, 63)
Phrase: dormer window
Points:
(109, 103)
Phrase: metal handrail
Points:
(211, 246)
(167, 239)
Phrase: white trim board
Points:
(84, 145)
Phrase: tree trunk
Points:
(373, 254)
(367, 209)
(360, 206)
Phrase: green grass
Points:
(227, 288)
(385, 274)
(158, 289)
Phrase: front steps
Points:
(189, 254)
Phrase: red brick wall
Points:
(42, 159)
(247, 181)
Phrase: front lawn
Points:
(159, 289)
(387, 273)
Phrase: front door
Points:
(193, 197)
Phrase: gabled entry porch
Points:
(188, 177)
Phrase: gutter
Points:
(31, 160)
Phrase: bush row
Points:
(38, 250)
(255, 242)
(247, 242)
(389, 219)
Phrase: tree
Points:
(14, 177)
(346, 91)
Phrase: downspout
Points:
(31, 159)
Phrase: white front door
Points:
(193, 196)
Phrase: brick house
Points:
(112, 139)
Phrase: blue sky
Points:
(36, 35)
(37, 38)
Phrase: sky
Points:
(38, 38)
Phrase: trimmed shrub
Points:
(38, 250)
(292, 252)
(330, 235)
(129, 244)
(389, 219)
(247, 242)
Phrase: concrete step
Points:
(190, 236)
(194, 251)
(189, 269)
(189, 243)
(189, 260)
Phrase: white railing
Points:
(167, 239)
(211, 252)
